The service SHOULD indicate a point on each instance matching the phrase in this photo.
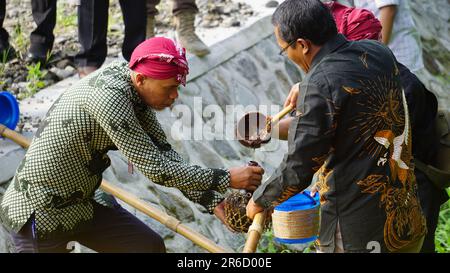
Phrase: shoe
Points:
(40, 53)
(33, 58)
(184, 22)
(83, 71)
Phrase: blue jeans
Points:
(111, 230)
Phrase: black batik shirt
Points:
(354, 131)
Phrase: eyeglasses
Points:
(285, 48)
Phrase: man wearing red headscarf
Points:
(355, 24)
(53, 201)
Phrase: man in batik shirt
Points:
(353, 129)
(50, 200)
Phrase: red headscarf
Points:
(354, 23)
(160, 58)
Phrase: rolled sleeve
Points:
(384, 3)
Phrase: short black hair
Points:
(306, 19)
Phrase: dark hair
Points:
(306, 19)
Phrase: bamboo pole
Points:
(254, 232)
(281, 114)
(165, 219)
(16, 137)
(160, 216)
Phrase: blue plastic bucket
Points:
(296, 220)
(9, 110)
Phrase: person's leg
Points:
(180, 5)
(44, 15)
(7, 52)
(3, 33)
(92, 32)
(151, 7)
(117, 230)
(184, 12)
(151, 13)
(25, 242)
(134, 17)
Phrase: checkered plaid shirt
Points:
(58, 178)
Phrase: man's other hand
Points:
(253, 209)
(293, 95)
(246, 177)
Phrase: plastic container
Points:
(296, 221)
(9, 110)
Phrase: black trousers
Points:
(44, 15)
(113, 230)
(93, 24)
(3, 33)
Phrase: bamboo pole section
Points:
(16, 137)
(160, 216)
(165, 219)
(281, 114)
(254, 232)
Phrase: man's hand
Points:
(253, 209)
(219, 212)
(281, 130)
(247, 177)
(314, 190)
(293, 95)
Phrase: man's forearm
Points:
(387, 17)
(283, 128)
(208, 199)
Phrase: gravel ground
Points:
(24, 80)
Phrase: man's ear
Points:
(305, 45)
(139, 79)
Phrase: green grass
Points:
(34, 78)
(442, 238)
(267, 244)
(20, 39)
(115, 18)
(66, 15)
(66, 20)
(3, 59)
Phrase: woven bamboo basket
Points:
(296, 221)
